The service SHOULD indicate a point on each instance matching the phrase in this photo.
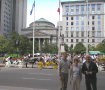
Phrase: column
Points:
(39, 45)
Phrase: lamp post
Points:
(87, 27)
(17, 44)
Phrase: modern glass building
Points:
(12, 16)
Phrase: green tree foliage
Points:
(19, 44)
(79, 48)
(70, 50)
(66, 47)
(49, 48)
(91, 48)
(101, 47)
(3, 44)
(53, 48)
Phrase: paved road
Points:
(35, 79)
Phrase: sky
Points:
(44, 9)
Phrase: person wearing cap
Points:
(89, 69)
(64, 66)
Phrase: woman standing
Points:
(75, 74)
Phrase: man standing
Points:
(89, 69)
(64, 66)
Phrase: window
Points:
(98, 6)
(82, 17)
(77, 28)
(71, 18)
(77, 22)
(99, 17)
(71, 34)
(77, 7)
(72, 23)
(66, 28)
(93, 17)
(82, 40)
(82, 28)
(66, 18)
(77, 34)
(93, 34)
(98, 28)
(99, 40)
(66, 23)
(77, 17)
(82, 7)
(72, 28)
(71, 13)
(82, 22)
(99, 22)
(88, 7)
(72, 7)
(77, 12)
(71, 40)
(93, 40)
(93, 7)
(98, 34)
(88, 22)
(82, 34)
(71, 45)
(66, 33)
(66, 40)
(66, 13)
(93, 28)
(67, 8)
(92, 22)
(88, 40)
(77, 40)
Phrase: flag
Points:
(59, 8)
(32, 8)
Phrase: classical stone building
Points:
(43, 31)
(83, 22)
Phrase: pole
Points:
(59, 31)
(87, 28)
(34, 32)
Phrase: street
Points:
(35, 79)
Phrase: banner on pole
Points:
(33, 6)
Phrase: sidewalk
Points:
(18, 88)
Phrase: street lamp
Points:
(87, 27)
(17, 44)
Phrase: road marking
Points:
(41, 74)
(35, 79)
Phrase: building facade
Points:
(83, 21)
(12, 16)
(43, 31)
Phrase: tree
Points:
(70, 50)
(53, 49)
(101, 47)
(91, 48)
(79, 48)
(46, 47)
(19, 44)
(3, 45)
(66, 47)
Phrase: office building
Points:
(83, 21)
(12, 16)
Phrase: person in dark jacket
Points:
(89, 69)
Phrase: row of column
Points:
(42, 41)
